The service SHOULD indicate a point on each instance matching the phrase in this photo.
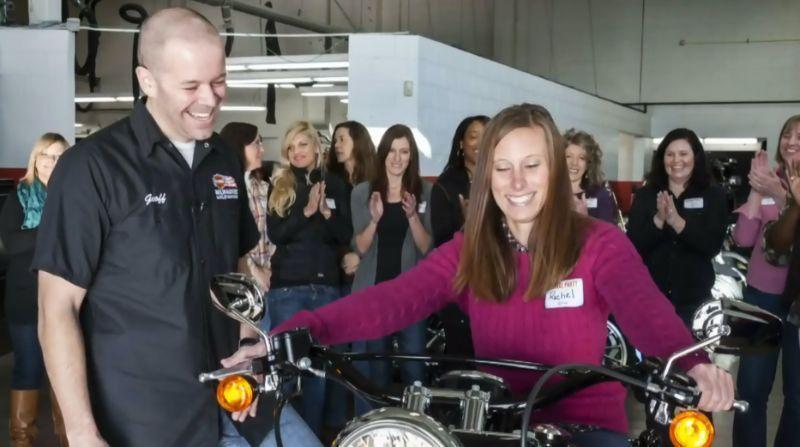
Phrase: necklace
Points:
(519, 248)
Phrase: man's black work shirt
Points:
(128, 220)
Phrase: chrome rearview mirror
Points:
(239, 297)
(741, 328)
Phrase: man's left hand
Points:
(242, 355)
(715, 385)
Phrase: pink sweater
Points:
(614, 280)
(748, 233)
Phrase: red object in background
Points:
(12, 173)
(624, 192)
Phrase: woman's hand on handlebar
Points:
(715, 385)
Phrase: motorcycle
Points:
(474, 408)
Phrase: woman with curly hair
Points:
(584, 162)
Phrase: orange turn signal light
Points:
(691, 429)
(235, 393)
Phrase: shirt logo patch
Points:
(225, 187)
(569, 293)
(158, 199)
(591, 202)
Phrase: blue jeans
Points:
(789, 427)
(28, 362)
(411, 340)
(756, 376)
(294, 432)
(600, 438)
(285, 302)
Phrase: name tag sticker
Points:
(591, 202)
(768, 201)
(422, 207)
(331, 203)
(695, 203)
(569, 293)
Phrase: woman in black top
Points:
(448, 204)
(677, 222)
(19, 221)
(392, 226)
(308, 220)
(451, 191)
(352, 158)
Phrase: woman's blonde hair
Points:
(45, 141)
(283, 182)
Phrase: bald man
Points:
(139, 217)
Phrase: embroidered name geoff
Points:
(225, 187)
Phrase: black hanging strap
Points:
(273, 48)
(134, 14)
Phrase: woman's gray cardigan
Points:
(359, 206)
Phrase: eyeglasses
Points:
(51, 157)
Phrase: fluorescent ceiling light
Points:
(260, 86)
(344, 101)
(730, 141)
(125, 98)
(720, 141)
(236, 67)
(324, 93)
(319, 85)
(88, 99)
(243, 108)
(332, 79)
(298, 80)
(78, 124)
(298, 65)
(287, 86)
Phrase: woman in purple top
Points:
(537, 279)
(766, 284)
(585, 167)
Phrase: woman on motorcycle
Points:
(537, 279)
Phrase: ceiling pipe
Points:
(270, 14)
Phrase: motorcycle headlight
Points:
(395, 427)
(691, 429)
(235, 393)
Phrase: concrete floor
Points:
(723, 421)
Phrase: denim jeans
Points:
(284, 303)
(789, 426)
(756, 376)
(411, 340)
(294, 432)
(28, 371)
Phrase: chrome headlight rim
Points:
(391, 418)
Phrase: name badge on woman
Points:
(591, 202)
(695, 203)
(331, 203)
(422, 207)
(569, 293)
